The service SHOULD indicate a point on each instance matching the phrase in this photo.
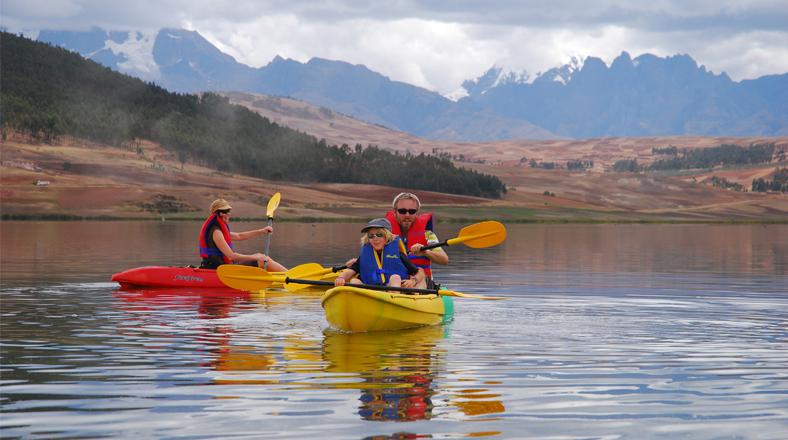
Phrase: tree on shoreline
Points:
(50, 92)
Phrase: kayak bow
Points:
(356, 309)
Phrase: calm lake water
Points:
(611, 332)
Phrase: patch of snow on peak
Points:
(576, 63)
(456, 95)
(563, 74)
(511, 77)
(138, 50)
(494, 77)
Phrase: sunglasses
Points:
(404, 211)
(223, 211)
(372, 235)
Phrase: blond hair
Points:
(365, 238)
(404, 196)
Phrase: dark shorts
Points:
(214, 262)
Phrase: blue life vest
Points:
(375, 271)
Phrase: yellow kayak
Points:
(355, 309)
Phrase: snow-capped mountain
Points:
(184, 61)
(562, 74)
(128, 52)
(645, 96)
(497, 76)
(494, 77)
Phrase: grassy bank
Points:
(456, 218)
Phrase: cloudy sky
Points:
(438, 44)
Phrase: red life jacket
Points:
(415, 235)
(205, 250)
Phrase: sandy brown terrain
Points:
(338, 129)
(78, 178)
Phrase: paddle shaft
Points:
(471, 237)
(435, 245)
(365, 286)
(268, 243)
(448, 242)
(273, 203)
(250, 279)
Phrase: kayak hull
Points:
(169, 276)
(177, 277)
(355, 309)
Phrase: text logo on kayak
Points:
(188, 278)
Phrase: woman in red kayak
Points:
(383, 260)
(216, 241)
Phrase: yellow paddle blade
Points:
(480, 235)
(309, 271)
(273, 203)
(468, 295)
(245, 277)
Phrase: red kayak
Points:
(169, 276)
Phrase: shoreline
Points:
(452, 220)
(103, 183)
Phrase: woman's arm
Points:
(251, 234)
(220, 242)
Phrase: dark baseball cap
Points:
(377, 223)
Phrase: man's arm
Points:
(437, 255)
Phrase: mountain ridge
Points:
(644, 96)
(125, 174)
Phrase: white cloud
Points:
(437, 45)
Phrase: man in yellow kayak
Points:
(416, 230)
(382, 260)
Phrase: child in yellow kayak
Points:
(383, 260)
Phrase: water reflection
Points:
(208, 303)
(396, 369)
(612, 331)
(608, 248)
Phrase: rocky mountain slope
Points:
(644, 96)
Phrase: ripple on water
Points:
(634, 349)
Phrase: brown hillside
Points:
(338, 129)
(83, 179)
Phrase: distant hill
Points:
(61, 113)
(50, 92)
(644, 96)
(184, 61)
